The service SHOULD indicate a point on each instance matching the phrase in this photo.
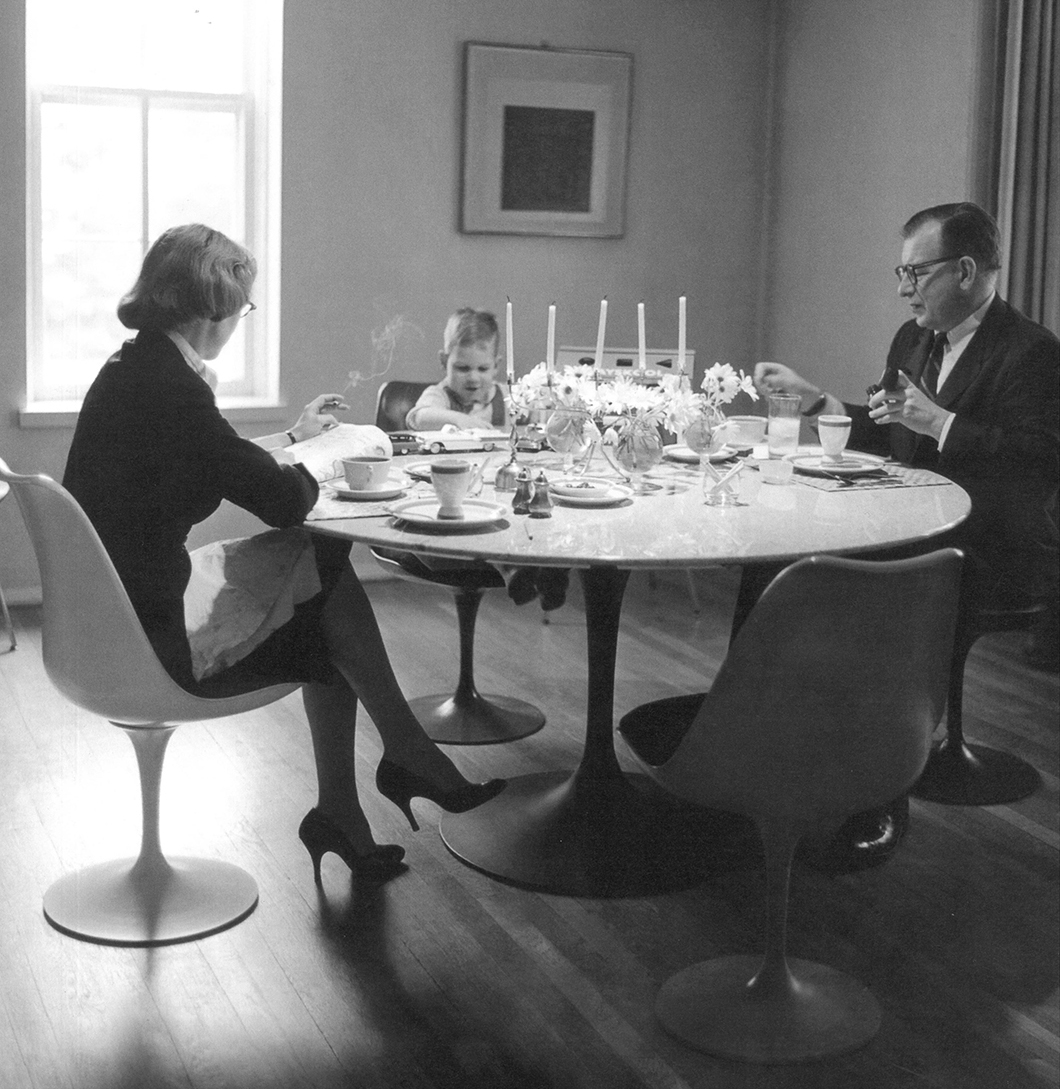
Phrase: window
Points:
(143, 115)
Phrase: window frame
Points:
(258, 116)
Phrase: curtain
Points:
(1028, 161)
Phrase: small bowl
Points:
(776, 471)
(581, 487)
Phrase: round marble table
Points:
(596, 830)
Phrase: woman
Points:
(152, 456)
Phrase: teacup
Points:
(747, 430)
(368, 473)
(451, 479)
(834, 433)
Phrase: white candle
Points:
(681, 345)
(508, 346)
(550, 344)
(642, 359)
(600, 333)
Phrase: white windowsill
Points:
(57, 415)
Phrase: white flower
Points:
(721, 383)
(624, 398)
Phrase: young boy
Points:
(468, 396)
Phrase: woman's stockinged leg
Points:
(359, 654)
(332, 713)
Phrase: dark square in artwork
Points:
(547, 160)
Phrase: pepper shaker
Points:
(524, 493)
(541, 503)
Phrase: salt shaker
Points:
(541, 503)
(524, 493)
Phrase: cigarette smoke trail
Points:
(384, 346)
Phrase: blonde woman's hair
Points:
(189, 272)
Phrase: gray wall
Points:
(767, 179)
(875, 119)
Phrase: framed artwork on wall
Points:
(546, 139)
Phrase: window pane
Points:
(157, 44)
(91, 242)
(196, 176)
(195, 171)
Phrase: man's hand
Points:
(909, 406)
(776, 378)
(315, 418)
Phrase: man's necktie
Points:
(930, 376)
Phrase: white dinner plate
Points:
(424, 512)
(851, 465)
(362, 495)
(679, 452)
(615, 494)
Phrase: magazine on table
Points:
(320, 453)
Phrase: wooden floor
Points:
(446, 978)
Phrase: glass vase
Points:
(705, 435)
(637, 448)
(572, 433)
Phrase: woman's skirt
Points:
(253, 610)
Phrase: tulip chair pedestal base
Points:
(817, 1011)
(963, 774)
(166, 901)
(473, 719)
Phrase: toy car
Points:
(405, 442)
(457, 441)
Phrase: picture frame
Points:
(545, 141)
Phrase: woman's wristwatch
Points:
(290, 435)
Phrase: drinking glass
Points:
(782, 432)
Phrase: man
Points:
(976, 397)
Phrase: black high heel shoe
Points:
(319, 836)
(401, 785)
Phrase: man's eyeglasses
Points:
(913, 271)
(246, 308)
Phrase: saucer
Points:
(361, 495)
(609, 497)
(851, 465)
(424, 512)
(421, 470)
(679, 452)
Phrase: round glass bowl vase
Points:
(572, 433)
(637, 448)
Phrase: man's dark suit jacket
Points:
(152, 456)
(1003, 447)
